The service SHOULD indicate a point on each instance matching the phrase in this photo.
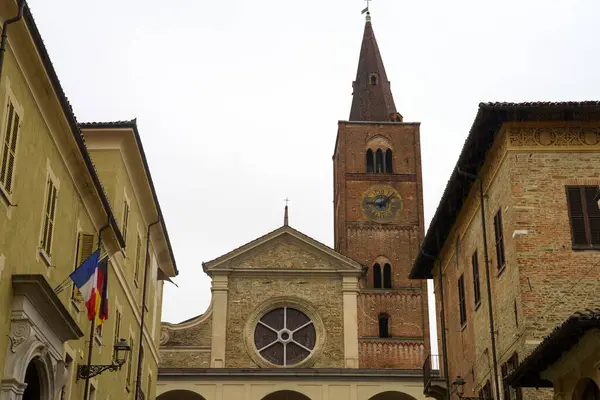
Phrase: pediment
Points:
(284, 249)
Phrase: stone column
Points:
(219, 320)
(350, 293)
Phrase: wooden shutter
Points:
(138, 257)
(476, 287)
(461, 300)
(9, 149)
(593, 215)
(117, 327)
(125, 220)
(85, 248)
(49, 214)
(576, 213)
(499, 239)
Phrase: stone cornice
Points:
(373, 226)
(350, 176)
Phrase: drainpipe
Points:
(442, 321)
(144, 294)
(487, 276)
(19, 15)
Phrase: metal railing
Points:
(431, 369)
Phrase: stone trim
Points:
(289, 373)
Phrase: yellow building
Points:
(56, 196)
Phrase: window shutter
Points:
(11, 154)
(593, 214)
(6, 145)
(577, 216)
(138, 256)
(50, 211)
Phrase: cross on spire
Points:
(366, 10)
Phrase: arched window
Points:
(387, 276)
(591, 391)
(370, 161)
(384, 326)
(379, 161)
(388, 161)
(377, 276)
(373, 79)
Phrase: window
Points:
(510, 393)
(387, 276)
(125, 220)
(379, 161)
(499, 239)
(377, 276)
(9, 149)
(461, 300)
(85, 248)
(117, 327)
(373, 79)
(370, 161)
(486, 391)
(129, 364)
(388, 161)
(138, 260)
(49, 214)
(584, 215)
(384, 326)
(476, 288)
(516, 314)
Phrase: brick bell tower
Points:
(378, 216)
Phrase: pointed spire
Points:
(372, 96)
(285, 214)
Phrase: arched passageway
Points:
(392, 395)
(586, 389)
(180, 395)
(33, 391)
(286, 395)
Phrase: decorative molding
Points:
(374, 226)
(164, 336)
(285, 301)
(351, 176)
(554, 136)
(19, 333)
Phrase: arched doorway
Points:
(33, 391)
(392, 395)
(586, 389)
(285, 395)
(180, 395)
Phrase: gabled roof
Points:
(132, 125)
(561, 340)
(371, 102)
(71, 120)
(486, 127)
(284, 230)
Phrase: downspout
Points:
(487, 277)
(442, 322)
(18, 17)
(144, 294)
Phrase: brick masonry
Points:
(544, 279)
(396, 242)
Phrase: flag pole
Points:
(86, 393)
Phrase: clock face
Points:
(381, 203)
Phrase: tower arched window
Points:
(388, 161)
(373, 79)
(384, 325)
(387, 276)
(379, 168)
(370, 161)
(377, 276)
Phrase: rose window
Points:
(285, 336)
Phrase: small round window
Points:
(285, 336)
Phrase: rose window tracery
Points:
(285, 336)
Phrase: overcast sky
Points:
(238, 101)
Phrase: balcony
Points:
(434, 381)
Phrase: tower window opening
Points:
(388, 161)
(370, 161)
(379, 167)
(373, 79)
(377, 276)
(387, 276)
(384, 326)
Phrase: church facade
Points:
(291, 318)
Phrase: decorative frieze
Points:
(554, 136)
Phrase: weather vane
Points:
(366, 10)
